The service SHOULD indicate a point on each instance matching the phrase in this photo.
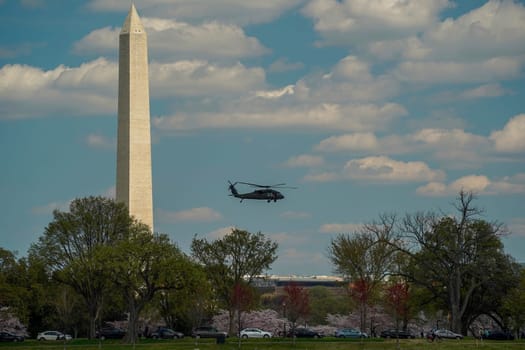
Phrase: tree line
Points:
(451, 263)
(95, 263)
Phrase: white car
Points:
(53, 335)
(445, 333)
(255, 333)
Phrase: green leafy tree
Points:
(13, 293)
(236, 258)
(454, 257)
(364, 259)
(184, 307)
(67, 304)
(142, 266)
(71, 243)
(42, 291)
(513, 306)
(324, 301)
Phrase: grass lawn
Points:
(273, 344)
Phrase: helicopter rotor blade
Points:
(281, 185)
(254, 185)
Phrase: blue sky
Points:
(368, 107)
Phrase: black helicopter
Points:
(266, 192)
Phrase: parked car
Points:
(498, 335)
(8, 337)
(110, 333)
(53, 335)
(208, 332)
(349, 333)
(166, 333)
(254, 333)
(302, 332)
(446, 334)
(393, 333)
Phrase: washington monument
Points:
(134, 184)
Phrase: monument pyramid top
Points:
(132, 24)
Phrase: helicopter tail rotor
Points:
(232, 189)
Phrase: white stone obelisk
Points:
(134, 183)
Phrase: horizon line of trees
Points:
(96, 263)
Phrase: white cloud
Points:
(340, 228)
(321, 116)
(496, 28)
(486, 90)
(351, 21)
(455, 147)
(484, 45)
(89, 89)
(100, 141)
(350, 80)
(511, 137)
(369, 143)
(47, 209)
(352, 68)
(110, 192)
(355, 141)
(322, 177)
(201, 78)
(274, 94)
(286, 238)
(411, 48)
(221, 232)
(241, 12)
(380, 169)
(283, 65)
(295, 258)
(480, 184)
(491, 30)
(170, 38)
(304, 160)
(194, 214)
(99, 41)
(384, 169)
(213, 40)
(437, 137)
(492, 69)
(452, 144)
(474, 183)
(481, 91)
(295, 215)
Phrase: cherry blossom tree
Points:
(297, 303)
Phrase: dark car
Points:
(393, 333)
(110, 333)
(166, 333)
(10, 337)
(302, 332)
(208, 332)
(498, 335)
